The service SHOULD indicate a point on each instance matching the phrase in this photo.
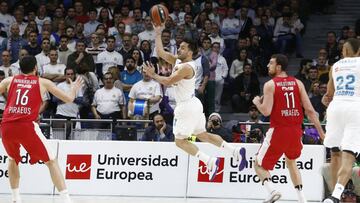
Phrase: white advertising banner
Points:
(124, 168)
(34, 179)
(230, 183)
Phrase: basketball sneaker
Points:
(273, 197)
(213, 167)
(240, 157)
(331, 199)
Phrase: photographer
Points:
(214, 125)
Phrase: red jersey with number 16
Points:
(24, 99)
(287, 108)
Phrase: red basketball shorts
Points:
(29, 135)
(279, 141)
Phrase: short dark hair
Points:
(130, 57)
(166, 31)
(192, 45)
(281, 60)
(110, 37)
(69, 68)
(27, 64)
(2, 73)
(64, 36)
(354, 44)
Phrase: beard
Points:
(271, 74)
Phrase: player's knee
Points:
(202, 137)
(180, 142)
(50, 162)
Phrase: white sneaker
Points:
(240, 157)
(273, 197)
(212, 168)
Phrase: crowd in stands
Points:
(106, 42)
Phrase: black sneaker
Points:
(331, 199)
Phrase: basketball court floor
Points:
(103, 199)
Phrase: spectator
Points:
(230, 29)
(54, 71)
(145, 47)
(64, 51)
(70, 17)
(136, 54)
(158, 131)
(149, 90)
(127, 47)
(41, 16)
(246, 86)
(91, 25)
(32, 47)
(19, 18)
(165, 38)
(332, 47)
(70, 33)
(43, 57)
(313, 75)
(237, 66)
(95, 47)
(129, 76)
(115, 73)
(109, 101)
(5, 18)
(215, 36)
(80, 14)
(134, 40)
(67, 110)
(14, 43)
(214, 125)
(16, 65)
(177, 15)
(190, 29)
(108, 58)
(202, 74)
(125, 11)
(221, 73)
(119, 35)
(316, 101)
(104, 18)
(148, 33)
(114, 30)
(245, 22)
(305, 64)
(137, 26)
(254, 133)
(6, 67)
(80, 56)
(284, 34)
(90, 86)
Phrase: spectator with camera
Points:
(158, 131)
(214, 125)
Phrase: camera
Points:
(215, 122)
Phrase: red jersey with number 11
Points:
(287, 108)
(24, 99)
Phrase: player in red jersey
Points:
(18, 125)
(284, 99)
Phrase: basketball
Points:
(158, 14)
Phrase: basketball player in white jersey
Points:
(188, 114)
(343, 116)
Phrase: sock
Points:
(64, 194)
(15, 194)
(203, 157)
(268, 185)
(228, 147)
(300, 193)
(338, 190)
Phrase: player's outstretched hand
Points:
(77, 84)
(158, 28)
(148, 69)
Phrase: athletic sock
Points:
(203, 157)
(268, 185)
(300, 193)
(338, 190)
(64, 194)
(15, 194)
(228, 147)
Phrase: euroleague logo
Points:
(203, 176)
(78, 166)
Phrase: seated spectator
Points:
(313, 75)
(108, 58)
(214, 125)
(32, 47)
(246, 86)
(149, 90)
(158, 131)
(80, 56)
(305, 64)
(109, 101)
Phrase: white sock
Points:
(228, 147)
(300, 194)
(338, 190)
(64, 194)
(268, 185)
(203, 157)
(15, 194)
